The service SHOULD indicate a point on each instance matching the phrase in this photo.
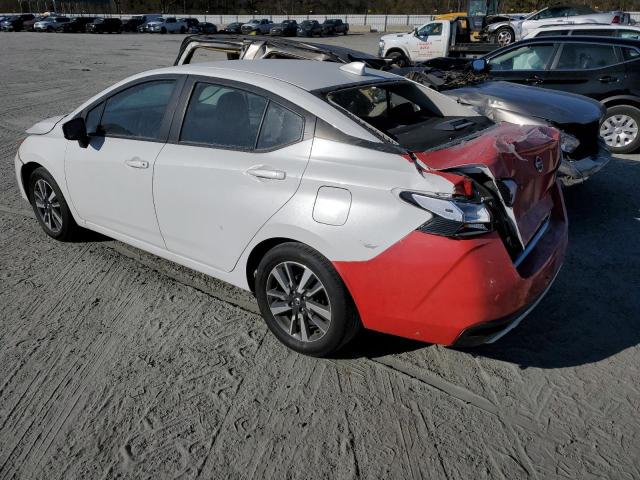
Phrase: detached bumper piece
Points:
(573, 172)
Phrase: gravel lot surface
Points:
(116, 364)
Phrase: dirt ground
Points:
(116, 364)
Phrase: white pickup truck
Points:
(438, 38)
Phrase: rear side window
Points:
(552, 33)
(583, 56)
(597, 32)
(280, 127)
(629, 34)
(222, 116)
(137, 112)
(528, 57)
(629, 53)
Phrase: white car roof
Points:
(305, 74)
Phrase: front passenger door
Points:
(526, 64)
(234, 158)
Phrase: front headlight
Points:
(568, 143)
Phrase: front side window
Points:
(138, 111)
(629, 53)
(222, 116)
(430, 30)
(530, 57)
(582, 56)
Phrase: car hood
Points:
(393, 36)
(549, 105)
(44, 126)
(152, 24)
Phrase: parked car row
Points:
(157, 23)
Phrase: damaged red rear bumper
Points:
(437, 289)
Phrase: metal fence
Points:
(379, 23)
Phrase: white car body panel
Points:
(110, 190)
(576, 29)
(415, 48)
(210, 212)
(215, 217)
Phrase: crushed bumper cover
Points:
(573, 172)
(433, 288)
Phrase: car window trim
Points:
(163, 133)
(189, 86)
(518, 45)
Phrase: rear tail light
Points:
(616, 19)
(462, 186)
(451, 217)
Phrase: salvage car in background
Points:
(577, 117)
(76, 25)
(235, 27)
(309, 28)
(334, 26)
(257, 27)
(104, 25)
(341, 196)
(507, 32)
(606, 69)
(203, 28)
(287, 28)
(166, 25)
(18, 23)
(50, 24)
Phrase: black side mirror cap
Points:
(76, 129)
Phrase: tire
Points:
(183, 30)
(163, 30)
(620, 129)
(59, 222)
(399, 59)
(504, 36)
(343, 322)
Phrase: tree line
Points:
(285, 7)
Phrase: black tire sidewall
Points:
(632, 112)
(69, 225)
(343, 321)
(399, 59)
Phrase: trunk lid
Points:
(528, 155)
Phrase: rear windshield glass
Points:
(403, 112)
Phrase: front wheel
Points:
(399, 59)
(504, 36)
(619, 129)
(304, 301)
(50, 206)
(183, 30)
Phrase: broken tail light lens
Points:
(568, 143)
(451, 217)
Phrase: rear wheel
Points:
(163, 30)
(619, 129)
(50, 206)
(183, 30)
(304, 301)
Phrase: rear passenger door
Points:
(593, 70)
(236, 154)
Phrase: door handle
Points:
(262, 172)
(608, 79)
(535, 79)
(135, 162)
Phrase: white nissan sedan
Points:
(341, 196)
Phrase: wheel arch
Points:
(25, 173)
(398, 50)
(626, 100)
(256, 255)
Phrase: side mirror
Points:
(479, 65)
(76, 130)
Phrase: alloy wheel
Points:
(48, 205)
(504, 38)
(619, 130)
(298, 301)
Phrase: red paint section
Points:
(431, 288)
(530, 155)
